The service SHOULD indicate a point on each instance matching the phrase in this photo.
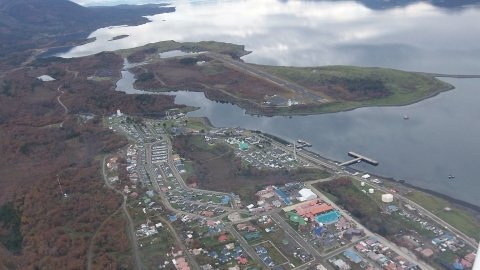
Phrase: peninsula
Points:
(217, 69)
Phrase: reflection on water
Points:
(441, 136)
(419, 36)
(423, 150)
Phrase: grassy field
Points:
(170, 45)
(276, 237)
(368, 208)
(277, 257)
(197, 123)
(360, 86)
(461, 219)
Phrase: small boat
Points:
(451, 176)
(406, 117)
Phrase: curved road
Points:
(131, 230)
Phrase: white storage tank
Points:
(371, 190)
(362, 184)
(387, 198)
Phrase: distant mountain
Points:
(26, 24)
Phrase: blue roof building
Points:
(225, 199)
(283, 196)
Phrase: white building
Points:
(306, 194)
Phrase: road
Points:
(130, 227)
(409, 256)
(306, 93)
(178, 240)
(248, 249)
(471, 242)
(92, 240)
(65, 109)
(310, 157)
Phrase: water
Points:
(423, 150)
(418, 36)
(441, 136)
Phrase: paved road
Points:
(258, 73)
(178, 240)
(470, 241)
(248, 249)
(409, 256)
(305, 156)
(296, 237)
(334, 168)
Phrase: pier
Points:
(358, 158)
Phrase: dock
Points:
(358, 158)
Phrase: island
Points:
(119, 37)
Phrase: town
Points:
(294, 225)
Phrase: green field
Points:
(389, 87)
(457, 217)
(197, 123)
(203, 46)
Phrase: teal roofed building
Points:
(243, 146)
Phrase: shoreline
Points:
(461, 203)
(252, 110)
(469, 206)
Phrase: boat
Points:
(451, 176)
(406, 117)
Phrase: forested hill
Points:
(27, 24)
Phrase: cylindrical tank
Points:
(371, 190)
(387, 198)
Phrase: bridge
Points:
(358, 158)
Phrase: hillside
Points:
(40, 143)
(28, 24)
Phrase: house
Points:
(180, 263)
(222, 238)
(242, 260)
(207, 213)
(427, 253)
(340, 264)
(470, 257)
(213, 254)
(252, 236)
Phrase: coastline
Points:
(252, 109)
(458, 202)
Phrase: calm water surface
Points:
(440, 138)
